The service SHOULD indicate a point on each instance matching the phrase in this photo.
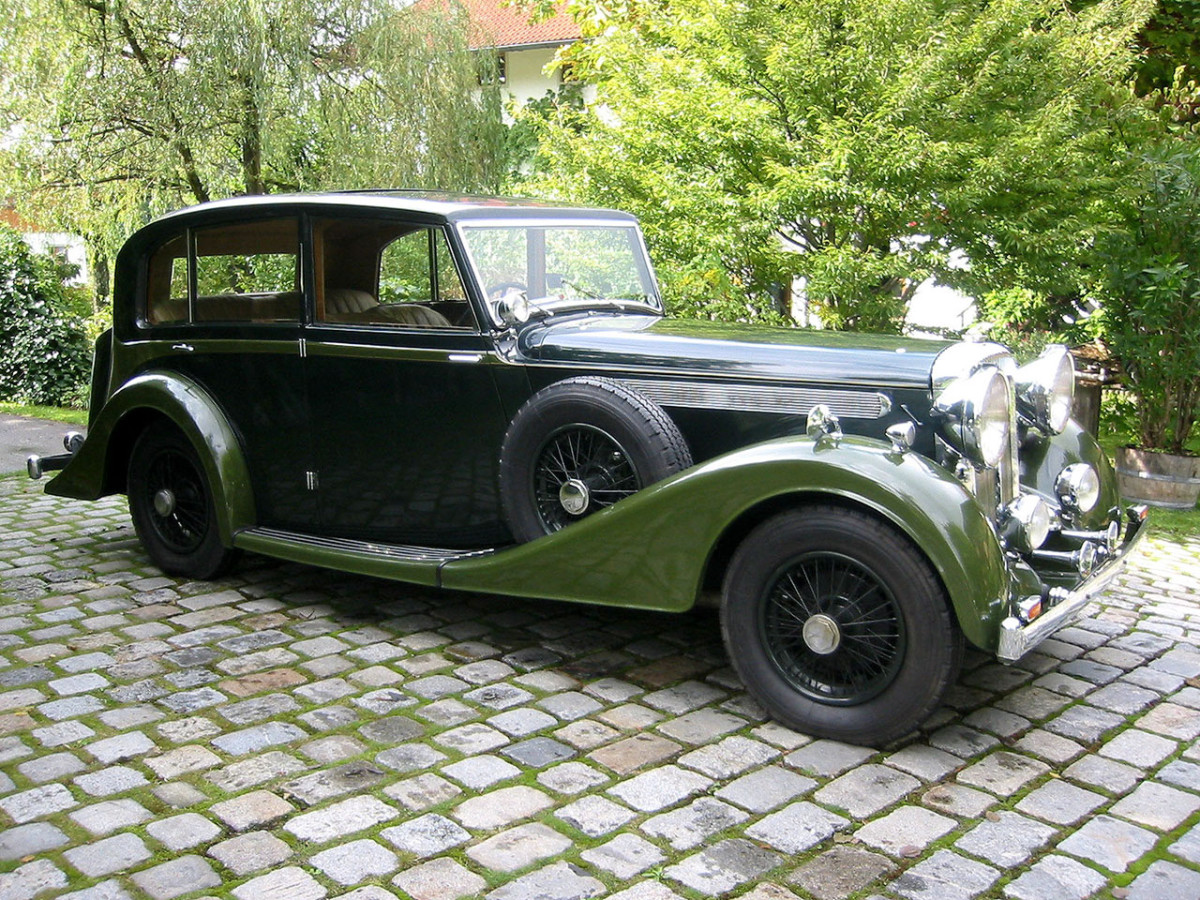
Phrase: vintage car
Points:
(483, 394)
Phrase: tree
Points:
(855, 143)
(1150, 287)
(1170, 44)
(119, 109)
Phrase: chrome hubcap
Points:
(574, 497)
(821, 634)
(164, 502)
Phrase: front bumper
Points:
(1017, 639)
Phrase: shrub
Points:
(44, 351)
(1152, 293)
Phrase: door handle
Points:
(185, 347)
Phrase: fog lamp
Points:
(1027, 523)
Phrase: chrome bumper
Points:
(1016, 639)
(37, 466)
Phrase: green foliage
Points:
(530, 124)
(1151, 293)
(704, 289)
(45, 355)
(129, 109)
(1170, 45)
(852, 142)
(1028, 321)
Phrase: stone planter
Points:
(1160, 479)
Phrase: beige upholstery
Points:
(341, 301)
(412, 314)
(341, 305)
(231, 308)
(348, 305)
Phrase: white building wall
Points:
(527, 77)
(69, 247)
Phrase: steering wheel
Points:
(500, 288)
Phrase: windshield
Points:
(561, 265)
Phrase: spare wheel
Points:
(579, 446)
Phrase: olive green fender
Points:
(651, 550)
(91, 473)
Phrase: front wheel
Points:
(172, 507)
(838, 626)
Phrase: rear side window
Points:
(245, 272)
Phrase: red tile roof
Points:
(507, 27)
(10, 218)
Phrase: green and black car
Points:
(484, 395)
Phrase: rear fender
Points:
(99, 467)
(652, 550)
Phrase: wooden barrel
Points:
(1160, 479)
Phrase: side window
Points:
(404, 273)
(449, 284)
(379, 272)
(248, 272)
(167, 284)
(245, 272)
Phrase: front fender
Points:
(651, 550)
(91, 473)
(1044, 458)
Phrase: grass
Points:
(1166, 523)
(53, 413)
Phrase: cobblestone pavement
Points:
(294, 733)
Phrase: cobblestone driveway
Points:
(293, 733)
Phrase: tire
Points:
(579, 446)
(838, 626)
(172, 507)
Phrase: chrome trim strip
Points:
(346, 545)
(763, 398)
(1016, 639)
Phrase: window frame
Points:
(190, 234)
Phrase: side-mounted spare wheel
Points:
(580, 445)
(839, 626)
(171, 503)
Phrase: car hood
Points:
(686, 346)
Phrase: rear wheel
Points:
(838, 626)
(172, 507)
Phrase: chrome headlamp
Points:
(1046, 389)
(1078, 487)
(976, 416)
(1026, 523)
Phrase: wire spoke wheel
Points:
(178, 501)
(838, 625)
(580, 470)
(172, 505)
(578, 446)
(833, 628)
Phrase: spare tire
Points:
(579, 446)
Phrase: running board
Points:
(401, 562)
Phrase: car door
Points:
(224, 306)
(402, 388)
